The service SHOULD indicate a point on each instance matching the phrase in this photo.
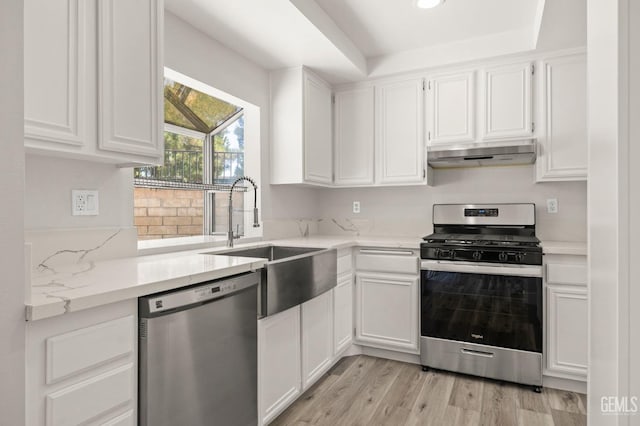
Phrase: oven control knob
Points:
(502, 257)
(519, 257)
(476, 255)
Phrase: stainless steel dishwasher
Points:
(198, 354)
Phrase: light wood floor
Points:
(362, 390)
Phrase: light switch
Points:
(84, 202)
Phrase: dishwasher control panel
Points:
(212, 290)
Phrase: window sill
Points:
(168, 245)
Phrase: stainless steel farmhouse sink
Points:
(292, 275)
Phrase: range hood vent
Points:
(483, 154)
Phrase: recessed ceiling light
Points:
(428, 4)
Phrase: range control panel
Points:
(480, 212)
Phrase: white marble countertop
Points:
(564, 247)
(62, 289)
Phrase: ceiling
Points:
(347, 40)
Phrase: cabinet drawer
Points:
(571, 274)
(91, 398)
(345, 263)
(79, 350)
(389, 261)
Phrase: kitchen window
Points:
(204, 153)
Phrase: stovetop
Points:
(483, 240)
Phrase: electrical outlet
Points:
(552, 205)
(84, 202)
(356, 206)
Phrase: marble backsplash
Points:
(51, 248)
(357, 227)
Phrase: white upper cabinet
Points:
(507, 102)
(55, 72)
(301, 142)
(130, 88)
(562, 149)
(399, 133)
(451, 108)
(104, 104)
(353, 143)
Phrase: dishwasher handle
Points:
(171, 301)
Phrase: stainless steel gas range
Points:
(481, 292)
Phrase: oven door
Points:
(484, 304)
(482, 319)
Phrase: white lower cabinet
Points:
(82, 367)
(387, 311)
(566, 317)
(343, 314)
(317, 337)
(279, 363)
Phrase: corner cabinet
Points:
(399, 133)
(562, 149)
(103, 105)
(566, 316)
(301, 140)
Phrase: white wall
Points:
(12, 325)
(49, 181)
(196, 55)
(614, 187)
(408, 210)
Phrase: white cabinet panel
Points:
(54, 71)
(317, 337)
(88, 347)
(354, 143)
(318, 153)
(507, 101)
(404, 261)
(567, 331)
(91, 398)
(343, 313)
(563, 112)
(400, 132)
(567, 273)
(387, 311)
(126, 419)
(451, 100)
(279, 365)
(129, 81)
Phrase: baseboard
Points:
(387, 354)
(564, 384)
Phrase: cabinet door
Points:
(130, 77)
(451, 115)
(567, 331)
(507, 101)
(400, 132)
(317, 337)
(54, 72)
(387, 311)
(279, 367)
(354, 137)
(562, 153)
(343, 314)
(318, 153)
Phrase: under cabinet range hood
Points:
(483, 154)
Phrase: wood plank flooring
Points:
(363, 390)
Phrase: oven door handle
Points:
(484, 268)
(477, 353)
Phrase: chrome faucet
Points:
(230, 234)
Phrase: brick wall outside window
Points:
(167, 213)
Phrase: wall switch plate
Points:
(552, 205)
(84, 202)
(356, 206)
